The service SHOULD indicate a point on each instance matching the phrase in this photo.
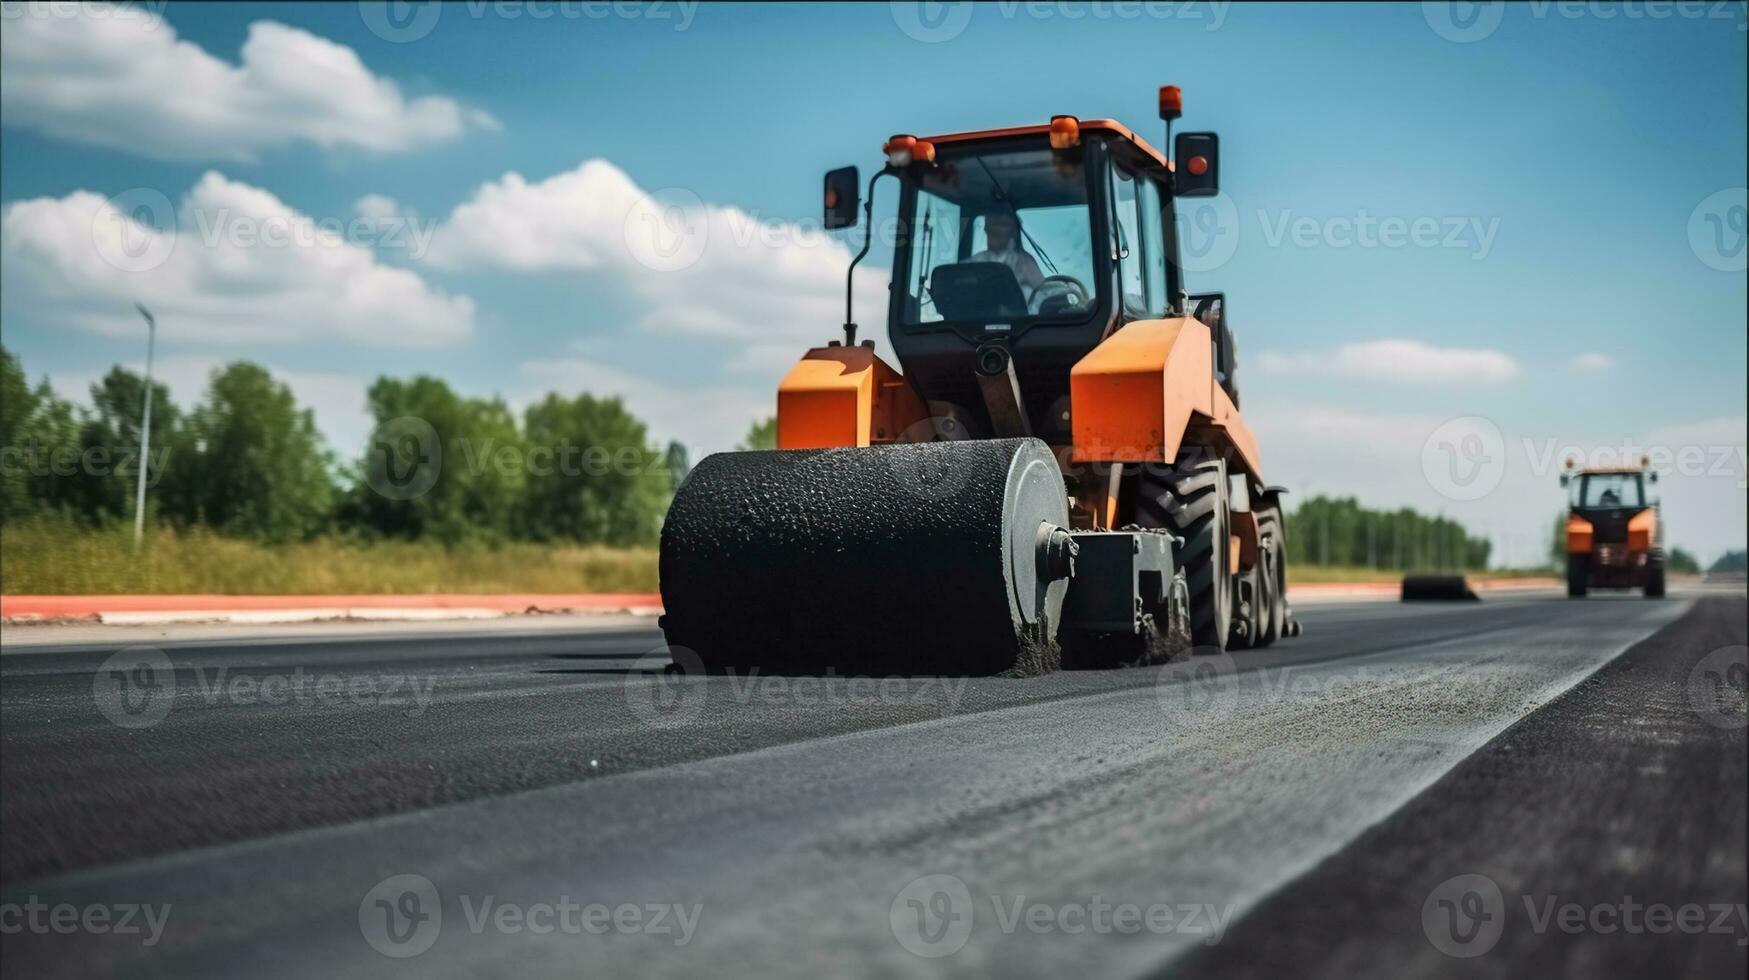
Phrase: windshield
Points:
(997, 236)
(1609, 490)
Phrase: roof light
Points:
(901, 150)
(1171, 102)
(924, 151)
(1065, 132)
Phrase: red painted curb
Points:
(87, 606)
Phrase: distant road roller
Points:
(1059, 475)
(1615, 539)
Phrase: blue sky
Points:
(1584, 165)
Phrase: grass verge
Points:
(56, 558)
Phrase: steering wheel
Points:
(1059, 287)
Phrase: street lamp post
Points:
(145, 431)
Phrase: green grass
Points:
(53, 557)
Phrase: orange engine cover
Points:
(844, 396)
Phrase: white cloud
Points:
(699, 269)
(1405, 361)
(240, 268)
(120, 78)
(705, 419)
(1591, 362)
(380, 207)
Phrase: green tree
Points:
(254, 462)
(592, 475)
(438, 465)
(109, 442)
(1731, 562)
(761, 435)
(1341, 532)
(1682, 562)
(39, 445)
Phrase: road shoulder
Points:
(1545, 851)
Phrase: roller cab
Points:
(1049, 468)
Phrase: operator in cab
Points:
(1002, 238)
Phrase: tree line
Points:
(1339, 531)
(248, 460)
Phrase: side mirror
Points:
(1653, 476)
(843, 197)
(1566, 478)
(1196, 158)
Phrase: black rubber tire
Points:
(1274, 577)
(1190, 500)
(1654, 587)
(1578, 571)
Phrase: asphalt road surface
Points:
(1406, 789)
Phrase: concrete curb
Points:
(154, 609)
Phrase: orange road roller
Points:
(1058, 476)
(1615, 539)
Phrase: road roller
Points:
(1054, 474)
(1615, 539)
